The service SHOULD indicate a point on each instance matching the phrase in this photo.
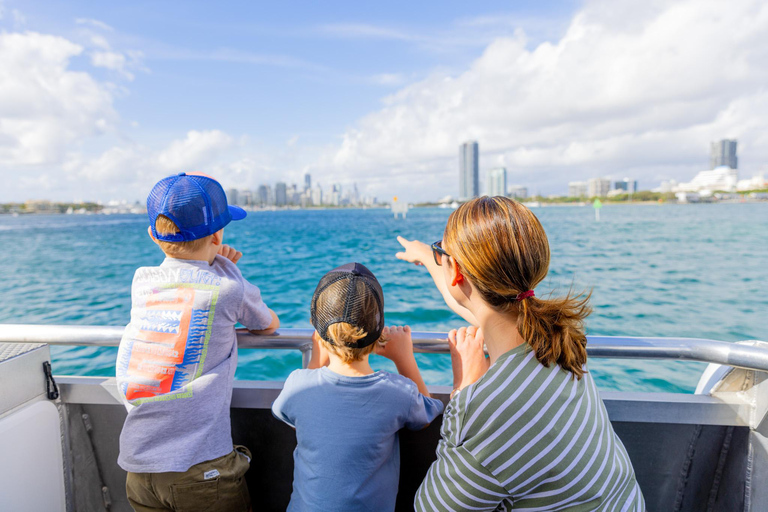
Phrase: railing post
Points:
(306, 355)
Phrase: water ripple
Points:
(667, 270)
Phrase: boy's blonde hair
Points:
(343, 334)
(165, 226)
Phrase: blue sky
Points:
(275, 70)
(376, 93)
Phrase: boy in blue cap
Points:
(347, 416)
(177, 358)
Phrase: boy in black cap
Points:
(346, 415)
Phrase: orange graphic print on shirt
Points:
(170, 334)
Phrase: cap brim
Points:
(237, 212)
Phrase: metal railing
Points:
(679, 349)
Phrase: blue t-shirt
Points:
(348, 455)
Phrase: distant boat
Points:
(532, 204)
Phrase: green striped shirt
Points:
(527, 437)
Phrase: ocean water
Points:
(654, 270)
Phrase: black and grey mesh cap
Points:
(350, 294)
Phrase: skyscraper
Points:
(336, 194)
(307, 182)
(317, 195)
(469, 182)
(497, 182)
(263, 195)
(723, 153)
(280, 194)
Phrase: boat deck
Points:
(690, 452)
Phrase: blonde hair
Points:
(343, 334)
(165, 226)
(501, 247)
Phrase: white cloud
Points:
(104, 56)
(94, 24)
(114, 61)
(198, 149)
(45, 107)
(388, 79)
(628, 88)
(109, 60)
(638, 86)
(367, 31)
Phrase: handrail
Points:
(618, 347)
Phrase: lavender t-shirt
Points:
(177, 361)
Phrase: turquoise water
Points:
(655, 270)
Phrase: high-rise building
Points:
(723, 153)
(469, 181)
(517, 192)
(497, 182)
(626, 185)
(598, 187)
(336, 194)
(577, 189)
(280, 194)
(232, 196)
(317, 195)
(263, 195)
(307, 182)
(245, 198)
(292, 194)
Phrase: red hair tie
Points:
(525, 295)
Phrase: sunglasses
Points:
(438, 252)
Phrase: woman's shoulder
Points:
(517, 389)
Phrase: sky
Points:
(99, 100)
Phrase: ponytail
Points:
(554, 329)
(501, 247)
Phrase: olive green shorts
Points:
(217, 484)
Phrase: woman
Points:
(525, 429)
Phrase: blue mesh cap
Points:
(196, 204)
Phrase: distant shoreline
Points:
(414, 207)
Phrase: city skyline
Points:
(285, 194)
(102, 102)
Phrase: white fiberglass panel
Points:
(31, 466)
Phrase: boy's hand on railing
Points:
(230, 253)
(415, 252)
(320, 355)
(467, 356)
(398, 346)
